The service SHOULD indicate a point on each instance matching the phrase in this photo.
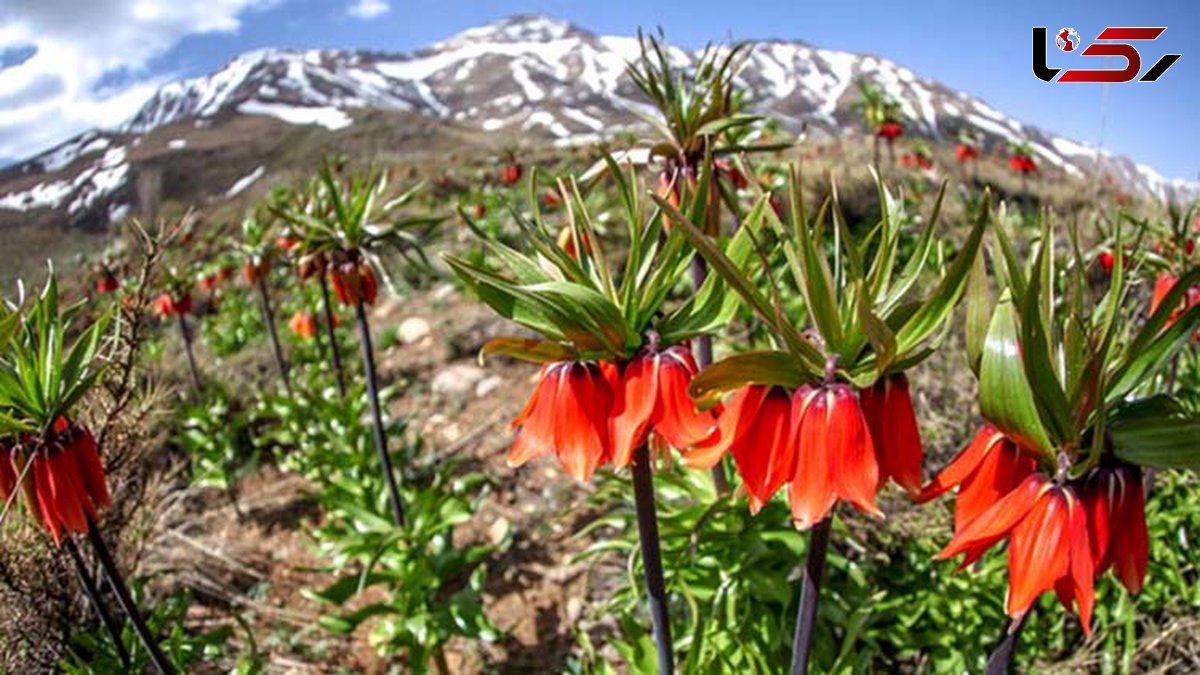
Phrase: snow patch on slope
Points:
(326, 116)
(244, 182)
(62, 156)
(104, 177)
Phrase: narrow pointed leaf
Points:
(763, 367)
(979, 311)
(1163, 442)
(941, 303)
(530, 349)
(1005, 397)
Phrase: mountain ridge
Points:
(531, 74)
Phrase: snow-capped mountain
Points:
(531, 74)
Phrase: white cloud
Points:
(58, 91)
(368, 9)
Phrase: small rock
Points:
(457, 379)
(574, 609)
(498, 530)
(442, 292)
(413, 330)
(452, 432)
(388, 305)
(487, 385)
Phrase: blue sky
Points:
(982, 48)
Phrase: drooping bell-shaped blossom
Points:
(286, 243)
(890, 131)
(566, 241)
(303, 325)
(567, 416)
(893, 423)
(253, 270)
(669, 190)
(916, 160)
(652, 397)
(1162, 286)
(107, 282)
(65, 481)
(208, 282)
(311, 265)
(1022, 164)
(755, 426)
(1116, 506)
(817, 441)
(511, 173)
(167, 304)
(352, 282)
(8, 474)
(728, 169)
(835, 457)
(986, 470)
(1049, 548)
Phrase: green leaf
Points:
(883, 340)
(529, 349)
(714, 305)
(8, 328)
(979, 312)
(502, 296)
(1163, 442)
(595, 311)
(722, 265)
(1153, 343)
(940, 304)
(1005, 397)
(1013, 274)
(816, 281)
(1149, 357)
(1040, 364)
(763, 367)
